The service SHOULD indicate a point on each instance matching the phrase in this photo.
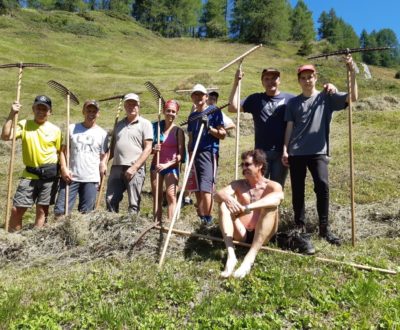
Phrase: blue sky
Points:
(360, 14)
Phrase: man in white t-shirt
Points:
(88, 162)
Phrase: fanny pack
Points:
(44, 172)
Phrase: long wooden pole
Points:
(12, 156)
(157, 199)
(179, 202)
(238, 91)
(240, 58)
(266, 248)
(103, 179)
(67, 154)
(351, 155)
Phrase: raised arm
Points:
(7, 131)
(353, 81)
(233, 96)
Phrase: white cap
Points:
(199, 88)
(131, 96)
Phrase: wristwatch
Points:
(246, 209)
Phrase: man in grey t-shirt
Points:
(88, 162)
(131, 146)
(306, 145)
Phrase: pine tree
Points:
(265, 21)
(170, 18)
(302, 25)
(8, 5)
(213, 18)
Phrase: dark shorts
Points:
(249, 236)
(35, 191)
(206, 164)
(168, 170)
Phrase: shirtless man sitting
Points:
(248, 211)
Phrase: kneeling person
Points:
(248, 211)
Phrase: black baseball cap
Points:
(42, 99)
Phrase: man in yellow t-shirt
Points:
(41, 143)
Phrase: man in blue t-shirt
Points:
(308, 117)
(268, 110)
(206, 158)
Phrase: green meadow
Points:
(80, 274)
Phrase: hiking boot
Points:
(301, 242)
(330, 237)
(295, 241)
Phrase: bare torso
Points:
(247, 194)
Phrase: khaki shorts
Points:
(36, 191)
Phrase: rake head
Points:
(155, 92)
(24, 65)
(64, 91)
(197, 117)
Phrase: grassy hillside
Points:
(85, 273)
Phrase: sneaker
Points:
(206, 220)
(295, 241)
(330, 237)
(187, 201)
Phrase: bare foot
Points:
(243, 270)
(229, 267)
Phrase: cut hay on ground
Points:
(83, 238)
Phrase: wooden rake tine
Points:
(155, 92)
(102, 183)
(161, 103)
(21, 66)
(70, 97)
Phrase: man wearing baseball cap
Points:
(88, 152)
(131, 146)
(41, 143)
(308, 117)
(206, 158)
(268, 111)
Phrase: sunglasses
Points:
(246, 164)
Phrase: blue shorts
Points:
(206, 163)
(174, 170)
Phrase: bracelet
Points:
(247, 209)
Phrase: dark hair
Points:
(214, 93)
(259, 158)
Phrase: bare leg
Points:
(160, 193)
(229, 232)
(204, 200)
(16, 218)
(171, 182)
(42, 212)
(267, 226)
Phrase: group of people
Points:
(291, 132)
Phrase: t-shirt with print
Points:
(268, 116)
(311, 117)
(40, 144)
(129, 140)
(86, 146)
(207, 141)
